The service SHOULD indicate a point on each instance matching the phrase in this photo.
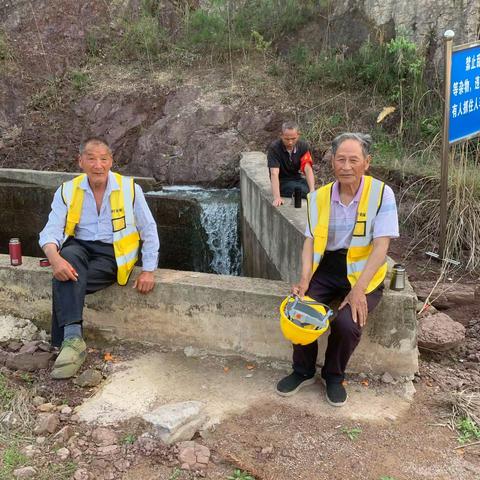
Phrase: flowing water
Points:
(220, 219)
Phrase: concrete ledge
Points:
(218, 313)
(54, 179)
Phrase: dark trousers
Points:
(96, 267)
(287, 187)
(328, 283)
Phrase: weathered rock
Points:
(10, 419)
(24, 472)
(81, 474)
(408, 391)
(13, 328)
(193, 456)
(66, 410)
(176, 422)
(63, 453)
(46, 407)
(29, 362)
(267, 450)
(387, 378)
(439, 332)
(3, 357)
(30, 451)
(29, 347)
(47, 423)
(89, 378)
(64, 434)
(14, 346)
(38, 400)
(146, 444)
(444, 295)
(107, 450)
(104, 436)
(122, 465)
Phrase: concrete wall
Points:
(390, 336)
(26, 196)
(218, 313)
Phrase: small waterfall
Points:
(219, 218)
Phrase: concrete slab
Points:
(226, 386)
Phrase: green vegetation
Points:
(352, 433)
(6, 394)
(12, 458)
(80, 80)
(240, 475)
(468, 431)
(128, 439)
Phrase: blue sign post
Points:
(461, 116)
(464, 113)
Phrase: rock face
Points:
(415, 19)
(445, 295)
(193, 456)
(197, 140)
(439, 332)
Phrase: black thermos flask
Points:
(297, 197)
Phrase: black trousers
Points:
(96, 267)
(287, 187)
(328, 283)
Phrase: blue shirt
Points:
(343, 218)
(98, 226)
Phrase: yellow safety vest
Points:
(126, 239)
(361, 245)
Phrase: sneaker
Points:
(336, 394)
(292, 384)
(71, 357)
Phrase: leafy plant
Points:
(240, 475)
(26, 377)
(175, 474)
(352, 433)
(128, 439)
(468, 430)
(80, 80)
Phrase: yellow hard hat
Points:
(303, 320)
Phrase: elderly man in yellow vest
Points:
(350, 224)
(92, 239)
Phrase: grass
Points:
(80, 80)
(12, 458)
(240, 475)
(6, 393)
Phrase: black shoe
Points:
(293, 383)
(336, 394)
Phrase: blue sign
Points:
(465, 94)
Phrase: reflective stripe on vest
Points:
(126, 240)
(361, 243)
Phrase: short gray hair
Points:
(289, 126)
(95, 140)
(363, 139)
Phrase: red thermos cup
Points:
(15, 250)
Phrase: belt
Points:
(342, 251)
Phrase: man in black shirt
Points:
(288, 157)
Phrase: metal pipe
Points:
(448, 44)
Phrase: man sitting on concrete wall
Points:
(91, 239)
(350, 224)
(289, 157)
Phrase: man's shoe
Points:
(71, 357)
(293, 383)
(336, 394)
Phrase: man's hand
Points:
(358, 304)
(63, 270)
(277, 202)
(145, 282)
(300, 288)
